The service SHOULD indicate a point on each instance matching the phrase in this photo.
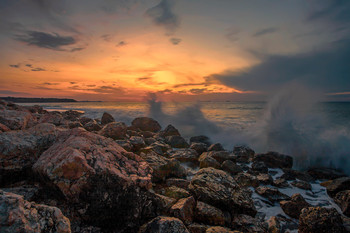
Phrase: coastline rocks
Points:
(274, 160)
(88, 168)
(169, 131)
(19, 150)
(343, 200)
(320, 220)
(146, 124)
(205, 160)
(337, 185)
(199, 147)
(114, 130)
(176, 192)
(272, 194)
(219, 189)
(137, 142)
(185, 155)
(207, 214)
(325, 173)
(201, 139)
(53, 118)
(246, 223)
(243, 154)
(164, 224)
(231, 167)
(17, 120)
(4, 128)
(294, 206)
(302, 185)
(176, 141)
(107, 118)
(92, 126)
(216, 147)
(181, 183)
(183, 209)
(18, 215)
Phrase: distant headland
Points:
(36, 100)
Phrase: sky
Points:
(181, 50)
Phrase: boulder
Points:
(176, 192)
(216, 147)
(197, 228)
(320, 220)
(19, 150)
(28, 192)
(272, 194)
(290, 174)
(207, 214)
(4, 128)
(74, 124)
(294, 206)
(246, 223)
(343, 200)
(185, 155)
(114, 130)
(19, 215)
(107, 118)
(70, 115)
(164, 224)
(125, 144)
(325, 173)
(201, 139)
(219, 229)
(85, 120)
(181, 183)
(205, 160)
(264, 179)
(221, 156)
(92, 126)
(231, 167)
(169, 131)
(17, 120)
(246, 180)
(109, 184)
(199, 147)
(243, 154)
(260, 167)
(146, 124)
(273, 225)
(301, 184)
(55, 118)
(219, 189)
(162, 204)
(275, 160)
(137, 142)
(338, 185)
(183, 209)
(176, 141)
(280, 183)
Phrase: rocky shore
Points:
(64, 172)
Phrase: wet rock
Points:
(272, 194)
(260, 167)
(343, 200)
(219, 189)
(197, 228)
(231, 167)
(4, 128)
(85, 120)
(273, 225)
(294, 206)
(125, 144)
(162, 167)
(185, 155)
(107, 118)
(280, 183)
(275, 160)
(220, 230)
(162, 204)
(150, 141)
(17, 120)
(183, 209)
(176, 192)
(114, 130)
(199, 147)
(92, 126)
(216, 147)
(246, 180)
(221, 156)
(243, 154)
(137, 142)
(69, 115)
(91, 169)
(146, 124)
(201, 139)
(181, 183)
(319, 219)
(74, 124)
(246, 223)
(290, 174)
(163, 224)
(169, 131)
(55, 118)
(302, 185)
(28, 192)
(205, 160)
(176, 142)
(337, 185)
(325, 173)
(19, 150)
(265, 179)
(158, 147)
(18, 215)
(207, 214)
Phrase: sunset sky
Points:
(121, 50)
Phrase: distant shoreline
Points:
(37, 100)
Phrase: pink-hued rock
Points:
(17, 120)
(89, 168)
(4, 128)
(55, 118)
(115, 130)
(18, 215)
(19, 150)
(146, 124)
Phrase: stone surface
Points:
(18, 215)
(343, 200)
(169, 131)
(205, 160)
(216, 147)
(197, 228)
(272, 194)
(243, 154)
(221, 156)
(181, 183)
(320, 220)
(88, 168)
(201, 138)
(164, 224)
(273, 225)
(207, 214)
(219, 229)
(162, 204)
(199, 147)
(176, 141)
(290, 174)
(325, 173)
(107, 118)
(185, 155)
(246, 223)
(338, 185)
(92, 126)
(55, 118)
(183, 209)
(137, 142)
(114, 130)
(302, 184)
(17, 120)
(219, 189)
(146, 124)
(259, 166)
(4, 128)
(246, 180)
(264, 179)
(231, 167)
(176, 192)
(275, 160)
(294, 206)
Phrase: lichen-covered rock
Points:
(216, 147)
(320, 220)
(114, 130)
(164, 224)
(280, 183)
(107, 118)
(343, 200)
(338, 185)
(18, 215)
(183, 209)
(17, 120)
(19, 150)
(273, 225)
(294, 206)
(91, 169)
(207, 214)
(275, 160)
(219, 189)
(246, 223)
(264, 179)
(146, 124)
(231, 167)
(205, 160)
(243, 154)
(176, 141)
(272, 194)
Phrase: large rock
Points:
(221, 156)
(19, 150)
(177, 141)
(219, 229)
(201, 139)
(161, 204)
(108, 183)
(184, 209)
(294, 206)
(199, 147)
(185, 155)
(246, 223)
(343, 200)
(16, 120)
(320, 220)
(146, 124)
(114, 130)
(216, 147)
(246, 180)
(169, 131)
(55, 118)
(205, 213)
(231, 167)
(337, 185)
(275, 160)
(205, 160)
(4, 128)
(176, 192)
(272, 194)
(163, 224)
(18, 215)
(243, 154)
(107, 118)
(325, 173)
(219, 189)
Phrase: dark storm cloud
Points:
(45, 40)
(265, 31)
(15, 66)
(328, 69)
(175, 41)
(163, 15)
(334, 10)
